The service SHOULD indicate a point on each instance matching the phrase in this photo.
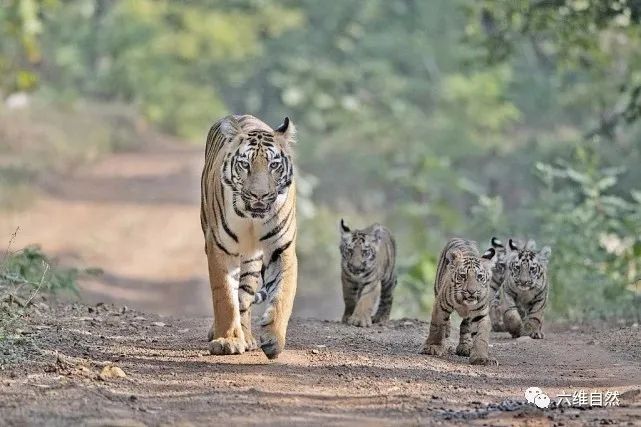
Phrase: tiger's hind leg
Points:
(249, 282)
(385, 302)
(226, 335)
(281, 275)
(439, 330)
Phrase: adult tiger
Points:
(248, 217)
(462, 285)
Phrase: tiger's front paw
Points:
(225, 346)
(380, 319)
(537, 335)
(250, 342)
(433, 349)
(361, 321)
(463, 350)
(532, 330)
(272, 344)
(484, 361)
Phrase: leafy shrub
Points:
(30, 267)
(25, 274)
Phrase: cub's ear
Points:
(378, 233)
(286, 131)
(544, 254)
(489, 254)
(452, 257)
(229, 127)
(344, 228)
(512, 245)
(496, 243)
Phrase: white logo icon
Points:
(535, 395)
(542, 401)
(531, 393)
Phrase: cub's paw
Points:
(537, 335)
(463, 350)
(433, 349)
(361, 321)
(484, 361)
(271, 345)
(380, 319)
(498, 326)
(224, 346)
(515, 334)
(250, 342)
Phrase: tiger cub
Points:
(498, 275)
(525, 289)
(463, 285)
(368, 258)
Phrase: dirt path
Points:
(135, 215)
(330, 374)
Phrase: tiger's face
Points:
(259, 169)
(526, 266)
(359, 250)
(470, 276)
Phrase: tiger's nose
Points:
(259, 195)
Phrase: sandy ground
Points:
(330, 374)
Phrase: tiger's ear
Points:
(344, 228)
(496, 243)
(544, 254)
(378, 233)
(489, 256)
(286, 132)
(512, 245)
(452, 256)
(229, 127)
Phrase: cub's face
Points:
(359, 250)
(470, 276)
(259, 169)
(526, 266)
